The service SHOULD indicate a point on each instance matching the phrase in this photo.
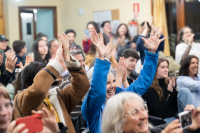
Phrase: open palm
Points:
(99, 44)
(153, 41)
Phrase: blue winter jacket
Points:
(94, 103)
(140, 47)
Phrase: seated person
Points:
(189, 78)
(80, 57)
(162, 95)
(131, 56)
(126, 112)
(50, 124)
(20, 50)
(32, 90)
(10, 62)
(53, 45)
(141, 46)
(3, 44)
(2, 61)
(103, 85)
(71, 34)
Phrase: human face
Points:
(131, 63)
(44, 38)
(137, 123)
(110, 86)
(107, 28)
(90, 27)
(186, 34)
(6, 113)
(3, 45)
(71, 37)
(24, 50)
(80, 58)
(193, 68)
(42, 47)
(54, 47)
(162, 70)
(122, 30)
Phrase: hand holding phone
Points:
(33, 123)
(185, 119)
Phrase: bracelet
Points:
(50, 73)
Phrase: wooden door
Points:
(2, 24)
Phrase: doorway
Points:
(34, 20)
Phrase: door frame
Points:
(23, 9)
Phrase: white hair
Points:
(113, 113)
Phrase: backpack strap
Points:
(18, 106)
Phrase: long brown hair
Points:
(155, 85)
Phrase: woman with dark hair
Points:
(187, 45)
(41, 51)
(162, 94)
(189, 78)
(121, 40)
(34, 93)
(86, 40)
(42, 36)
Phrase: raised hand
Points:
(153, 42)
(29, 59)
(65, 45)
(195, 117)
(1, 58)
(191, 39)
(172, 84)
(99, 44)
(59, 54)
(10, 62)
(121, 72)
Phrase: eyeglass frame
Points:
(11, 103)
(129, 112)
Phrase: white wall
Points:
(71, 18)
(67, 13)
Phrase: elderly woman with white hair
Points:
(126, 112)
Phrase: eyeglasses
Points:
(135, 111)
(187, 32)
(8, 106)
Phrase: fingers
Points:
(162, 39)
(145, 41)
(109, 45)
(189, 108)
(25, 130)
(53, 113)
(11, 126)
(152, 31)
(173, 125)
(18, 128)
(101, 36)
(21, 65)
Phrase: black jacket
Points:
(5, 77)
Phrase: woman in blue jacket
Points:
(103, 84)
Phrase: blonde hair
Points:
(113, 113)
(4, 92)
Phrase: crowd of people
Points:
(123, 84)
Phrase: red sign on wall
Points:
(136, 10)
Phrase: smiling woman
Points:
(189, 77)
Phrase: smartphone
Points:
(87, 32)
(185, 119)
(33, 123)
